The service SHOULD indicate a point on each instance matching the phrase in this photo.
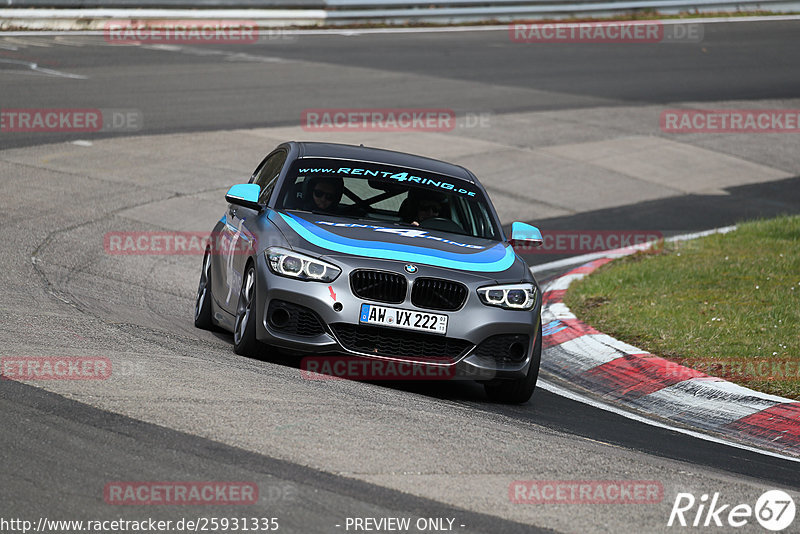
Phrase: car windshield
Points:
(388, 194)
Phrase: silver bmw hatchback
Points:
(346, 251)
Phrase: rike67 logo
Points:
(774, 510)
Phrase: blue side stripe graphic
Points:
(498, 258)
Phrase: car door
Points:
(237, 238)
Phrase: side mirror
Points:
(245, 195)
(525, 236)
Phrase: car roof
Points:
(379, 155)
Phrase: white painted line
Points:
(686, 237)
(568, 262)
(36, 68)
(558, 390)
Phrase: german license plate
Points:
(406, 319)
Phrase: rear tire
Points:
(520, 390)
(202, 306)
(244, 331)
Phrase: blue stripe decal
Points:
(552, 328)
(498, 258)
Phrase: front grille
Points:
(504, 349)
(379, 285)
(399, 344)
(437, 294)
(294, 319)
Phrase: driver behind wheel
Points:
(323, 193)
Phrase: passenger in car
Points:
(418, 206)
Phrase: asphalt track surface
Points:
(182, 406)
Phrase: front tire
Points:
(244, 332)
(520, 390)
(202, 305)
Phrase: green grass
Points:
(727, 304)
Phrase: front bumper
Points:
(312, 318)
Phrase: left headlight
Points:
(284, 262)
(509, 296)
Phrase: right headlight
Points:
(509, 296)
(291, 264)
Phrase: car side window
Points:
(267, 175)
(476, 218)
